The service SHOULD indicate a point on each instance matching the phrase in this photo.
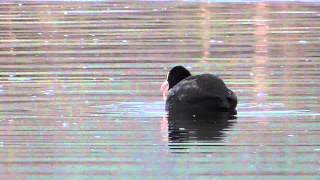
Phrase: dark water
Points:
(80, 99)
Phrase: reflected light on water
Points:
(79, 89)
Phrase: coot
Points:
(197, 94)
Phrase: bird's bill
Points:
(165, 89)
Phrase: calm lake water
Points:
(80, 98)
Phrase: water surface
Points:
(80, 99)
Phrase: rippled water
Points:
(80, 99)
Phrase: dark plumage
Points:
(198, 94)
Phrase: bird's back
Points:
(205, 92)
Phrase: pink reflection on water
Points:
(164, 129)
(260, 70)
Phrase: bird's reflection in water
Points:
(187, 128)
